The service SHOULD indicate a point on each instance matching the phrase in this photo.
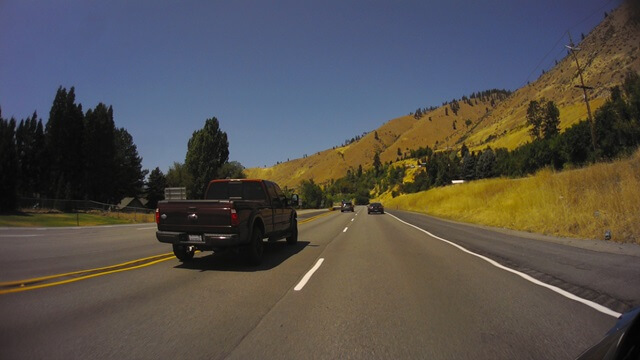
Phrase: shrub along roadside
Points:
(581, 203)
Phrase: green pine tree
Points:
(100, 154)
(64, 144)
(8, 165)
(551, 120)
(32, 164)
(207, 151)
(155, 187)
(129, 173)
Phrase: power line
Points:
(591, 14)
(573, 49)
(544, 58)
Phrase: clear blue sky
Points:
(284, 78)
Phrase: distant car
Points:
(375, 207)
(346, 206)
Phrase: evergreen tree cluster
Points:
(357, 184)
(207, 152)
(421, 112)
(312, 195)
(455, 106)
(74, 156)
(354, 139)
(155, 187)
(544, 118)
(206, 160)
(493, 96)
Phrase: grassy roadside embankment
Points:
(580, 203)
(72, 219)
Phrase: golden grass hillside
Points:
(608, 52)
(334, 163)
(580, 203)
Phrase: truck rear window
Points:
(249, 190)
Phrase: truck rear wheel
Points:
(183, 252)
(292, 239)
(255, 249)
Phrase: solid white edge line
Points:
(591, 304)
(308, 275)
(345, 229)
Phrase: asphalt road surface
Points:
(355, 286)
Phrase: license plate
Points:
(195, 237)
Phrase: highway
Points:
(398, 285)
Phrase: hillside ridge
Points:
(607, 54)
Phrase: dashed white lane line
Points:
(308, 275)
(147, 228)
(591, 304)
(352, 220)
(345, 229)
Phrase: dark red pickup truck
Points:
(233, 214)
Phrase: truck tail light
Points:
(157, 216)
(235, 221)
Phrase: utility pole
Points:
(584, 88)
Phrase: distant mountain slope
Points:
(333, 163)
(611, 50)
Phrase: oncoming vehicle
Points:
(375, 207)
(346, 206)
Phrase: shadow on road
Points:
(275, 253)
(16, 213)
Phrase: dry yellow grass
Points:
(580, 203)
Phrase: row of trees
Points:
(420, 112)
(493, 96)
(353, 139)
(75, 155)
(84, 156)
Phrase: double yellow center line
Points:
(59, 279)
(66, 278)
(304, 221)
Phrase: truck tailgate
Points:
(205, 216)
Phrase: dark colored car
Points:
(346, 206)
(375, 207)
